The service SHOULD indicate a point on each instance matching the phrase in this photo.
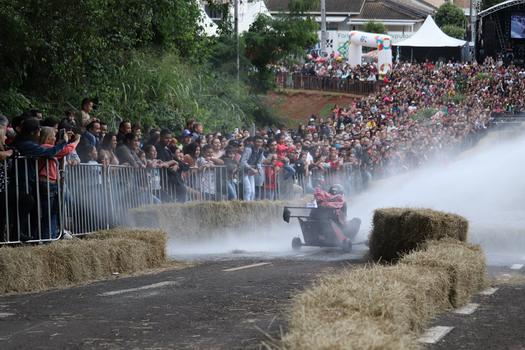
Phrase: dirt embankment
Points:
(300, 105)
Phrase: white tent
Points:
(430, 35)
(209, 27)
(248, 12)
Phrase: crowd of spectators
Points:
(424, 111)
(332, 68)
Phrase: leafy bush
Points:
(424, 114)
(454, 31)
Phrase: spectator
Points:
(208, 178)
(124, 128)
(217, 150)
(86, 108)
(48, 181)
(232, 170)
(251, 165)
(127, 153)
(5, 164)
(164, 152)
(107, 149)
(197, 131)
(192, 153)
(89, 139)
(186, 139)
(27, 144)
(103, 130)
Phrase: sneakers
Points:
(67, 235)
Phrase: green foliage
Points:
(374, 27)
(13, 102)
(271, 40)
(485, 4)
(300, 7)
(51, 46)
(424, 114)
(450, 14)
(457, 98)
(142, 60)
(454, 31)
(164, 92)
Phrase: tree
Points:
(270, 40)
(485, 4)
(61, 45)
(374, 27)
(454, 31)
(450, 14)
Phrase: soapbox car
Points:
(321, 227)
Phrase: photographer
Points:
(27, 144)
(48, 180)
(5, 163)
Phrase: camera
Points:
(61, 134)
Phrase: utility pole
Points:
(323, 27)
(472, 39)
(237, 43)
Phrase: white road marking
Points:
(434, 334)
(516, 266)
(246, 267)
(5, 314)
(489, 291)
(150, 286)
(467, 309)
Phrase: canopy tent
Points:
(248, 12)
(209, 27)
(429, 42)
(430, 35)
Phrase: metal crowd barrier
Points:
(86, 198)
(332, 84)
(30, 201)
(98, 197)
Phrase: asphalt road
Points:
(214, 305)
(228, 301)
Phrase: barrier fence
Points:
(285, 80)
(30, 200)
(40, 201)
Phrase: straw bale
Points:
(208, 219)
(372, 306)
(155, 238)
(464, 263)
(65, 263)
(361, 333)
(397, 231)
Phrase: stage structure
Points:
(383, 44)
(501, 32)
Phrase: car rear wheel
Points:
(347, 246)
(296, 243)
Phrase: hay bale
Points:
(397, 231)
(463, 262)
(155, 238)
(373, 307)
(199, 220)
(66, 263)
(363, 334)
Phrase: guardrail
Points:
(98, 197)
(30, 200)
(39, 201)
(296, 81)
